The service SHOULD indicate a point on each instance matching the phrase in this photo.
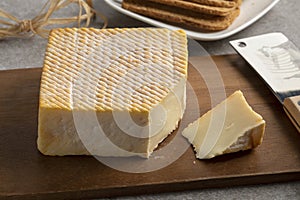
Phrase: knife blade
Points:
(277, 60)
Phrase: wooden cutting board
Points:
(26, 174)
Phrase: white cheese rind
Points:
(229, 127)
(111, 92)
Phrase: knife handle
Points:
(292, 109)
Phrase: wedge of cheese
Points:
(111, 92)
(229, 127)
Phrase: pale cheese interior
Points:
(229, 127)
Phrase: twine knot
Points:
(26, 26)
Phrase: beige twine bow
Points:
(13, 27)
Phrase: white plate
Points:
(251, 10)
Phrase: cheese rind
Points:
(111, 92)
(229, 127)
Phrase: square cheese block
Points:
(111, 92)
(229, 127)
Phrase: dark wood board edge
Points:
(163, 188)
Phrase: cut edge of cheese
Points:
(229, 127)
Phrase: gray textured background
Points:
(284, 17)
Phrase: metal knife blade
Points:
(277, 60)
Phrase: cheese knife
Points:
(277, 60)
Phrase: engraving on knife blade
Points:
(282, 59)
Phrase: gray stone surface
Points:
(284, 17)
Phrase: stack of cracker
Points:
(207, 15)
